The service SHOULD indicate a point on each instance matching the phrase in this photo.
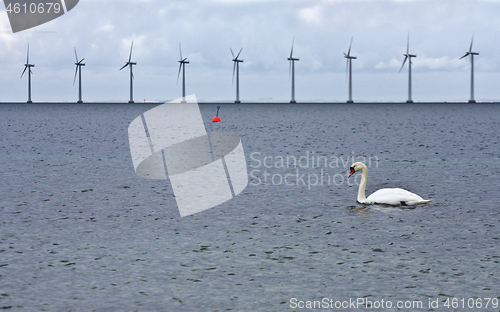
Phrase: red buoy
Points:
(216, 118)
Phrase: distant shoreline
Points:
(246, 103)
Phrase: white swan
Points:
(388, 196)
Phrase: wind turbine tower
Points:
(130, 64)
(292, 60)
(28, 66)
(408, 57)
(236, 68)
(182, 65)
(349, 59)
(471, 54)
(78, 70)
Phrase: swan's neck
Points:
(362, 185)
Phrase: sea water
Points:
(79, 231)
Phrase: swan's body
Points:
(387, 196)
(395, 196)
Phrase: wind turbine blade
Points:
(130, 56)
(232, 53)
(124, 66)
(76, 71)
(28, 55)
(291, 51)
(25, 67)
(349, 51)
(403, 63)
(234, 70)
(239, 53)
(178, 75)
(472, 40)
(180, 51)
(466, 54)
(346, 68)
(81, 60)
(76, 56)
(408, 44)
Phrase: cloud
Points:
(107, 27)
(393, 63)
(439, 63)
(312, 15)
(443, 63)
(103, 30)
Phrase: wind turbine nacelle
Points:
(25, 14)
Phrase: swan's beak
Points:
(352, 171)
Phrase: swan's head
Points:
(357, 166)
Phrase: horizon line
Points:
(263, 102)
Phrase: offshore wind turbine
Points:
(78, 70)
(408, 57)
(471, 54)
(292, 60)
(130, 64)
(28, 66)
(349, 59)
(236, 68)
(182, 65)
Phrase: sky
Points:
(102, 31)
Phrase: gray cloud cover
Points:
(101, 31)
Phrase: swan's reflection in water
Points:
(359, 210)
(365, 210)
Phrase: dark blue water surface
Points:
(79, 231)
